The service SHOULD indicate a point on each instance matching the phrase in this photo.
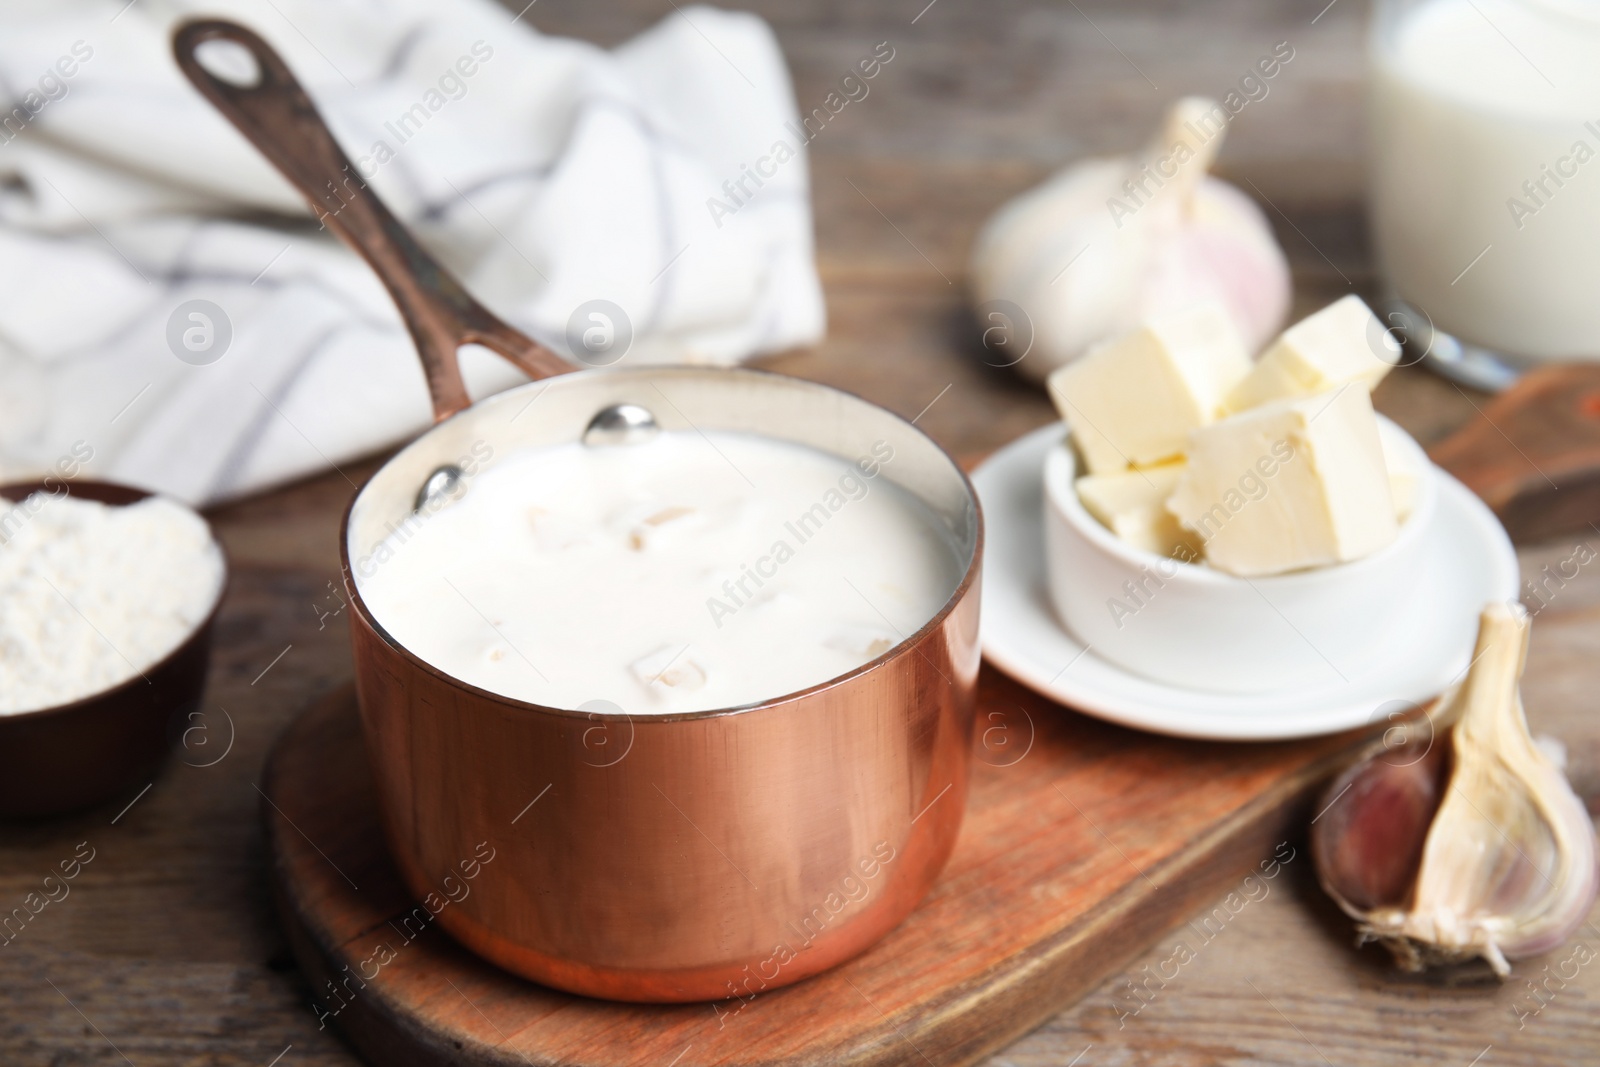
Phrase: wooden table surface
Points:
(166, 950)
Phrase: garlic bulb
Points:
(1108, 243)
(1467, 842)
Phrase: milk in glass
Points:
(1485, 170)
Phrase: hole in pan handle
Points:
(275, 114)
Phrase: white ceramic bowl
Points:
(1188, 625)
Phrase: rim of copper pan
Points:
(904, 646)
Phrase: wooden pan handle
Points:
(277, 116)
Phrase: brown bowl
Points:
(75, 755)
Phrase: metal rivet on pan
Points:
(621, 424)
(443, 484)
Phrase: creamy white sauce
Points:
(1486, 170)
(692, 572)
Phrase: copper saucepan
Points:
(653, 858)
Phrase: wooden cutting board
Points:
(1533, 454)
(1083, 843)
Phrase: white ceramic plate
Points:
(1469, 563)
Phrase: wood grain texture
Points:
(1082, 843)
(167, 951)
(1534, 456)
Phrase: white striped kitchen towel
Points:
(168, 304)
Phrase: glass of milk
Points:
(1485, 169)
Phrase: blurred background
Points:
(169, 944)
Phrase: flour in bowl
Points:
(92, 595)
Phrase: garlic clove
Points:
(668, 669)
(1505, 864)
(1392, 801)
(1143, 235)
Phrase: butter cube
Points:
(1342, 343)
(1135, 400)
(1133, 505)
(1403, 479)
(1289, 485)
